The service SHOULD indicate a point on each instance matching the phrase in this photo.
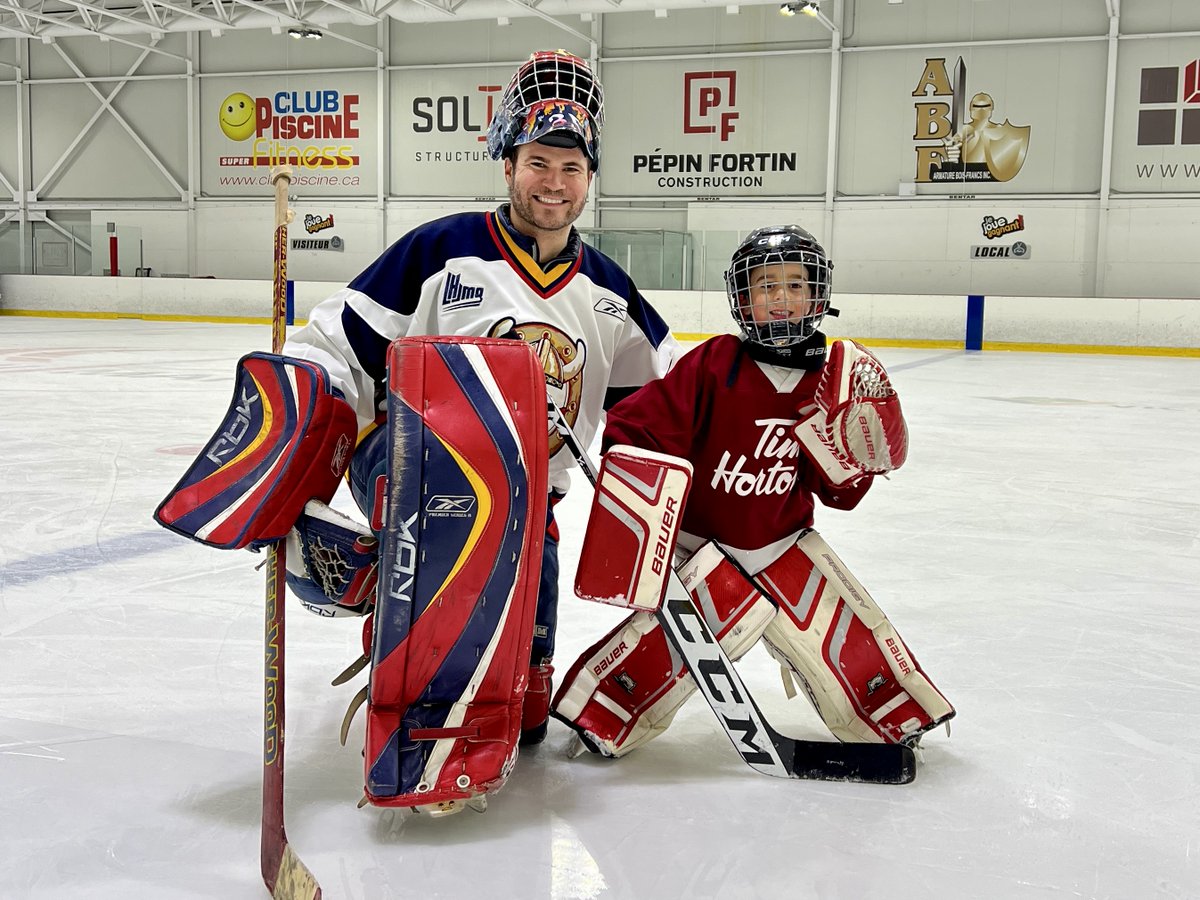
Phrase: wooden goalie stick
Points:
(761, 747)
(286, 877)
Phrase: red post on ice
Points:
(112, 254)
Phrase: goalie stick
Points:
(286, 877)
(761, 747)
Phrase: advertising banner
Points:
(439, 139)
(322, 125)
(1156, 126)
(986, 120)
(739, 127)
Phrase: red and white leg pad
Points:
(626, 688)
(833, 638)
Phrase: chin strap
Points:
(809, 354)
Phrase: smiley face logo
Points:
(237, 116)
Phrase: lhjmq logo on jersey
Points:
(772, 468)
(459, 295)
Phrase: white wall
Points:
(233, 239)
(912, 318)
(1046, 71)
(920, 247)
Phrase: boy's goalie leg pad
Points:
(630, 540)
(462, 542)
(625, 689)
(285, 440)
(833, 638)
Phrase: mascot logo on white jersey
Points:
(562, 362)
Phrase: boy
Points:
(741, 409)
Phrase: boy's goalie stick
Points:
(285, 875)
(760, 746)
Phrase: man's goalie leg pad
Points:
(465, 519)
(833, 638)
(285, 440)
(332, 562)
(625, 689)
(630, 540)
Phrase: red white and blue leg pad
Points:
(459, 572)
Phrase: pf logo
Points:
(708, 102)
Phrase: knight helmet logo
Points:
(957, 141)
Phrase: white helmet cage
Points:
(772, 246)
(549, 76)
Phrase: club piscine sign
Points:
(315, 129)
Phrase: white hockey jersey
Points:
(472, 274)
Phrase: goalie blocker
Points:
(284, 441)
(819, 623)
(459, 570)
(632, 528)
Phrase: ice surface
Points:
(1039, 552)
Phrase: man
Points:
(521, 271)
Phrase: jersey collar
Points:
(520, 251)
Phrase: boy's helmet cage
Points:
(772, 246)
(551, 92)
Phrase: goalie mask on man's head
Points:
(553, 98)
(757, 263)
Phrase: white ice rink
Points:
(1040, 553)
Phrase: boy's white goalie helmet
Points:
(554, 98)
(757, 263)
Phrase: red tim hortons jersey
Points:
(732, 418)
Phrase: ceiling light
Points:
(303, 31)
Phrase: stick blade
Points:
(294, 881)
(866, 763)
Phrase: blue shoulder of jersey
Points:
(605, 273)
(394, 280)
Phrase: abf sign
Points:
(957, 141)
